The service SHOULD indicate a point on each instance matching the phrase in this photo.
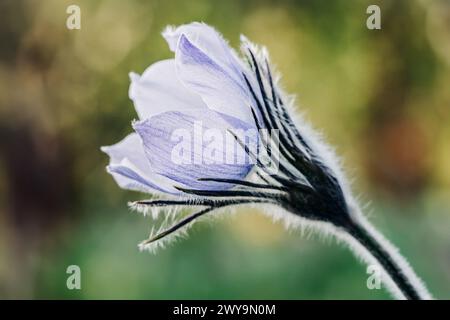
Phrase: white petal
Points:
(159, 90)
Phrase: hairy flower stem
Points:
(405, 280)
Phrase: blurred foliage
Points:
(380, 96)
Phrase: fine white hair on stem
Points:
(365, 255)
(329, 231)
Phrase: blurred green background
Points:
(381, 97)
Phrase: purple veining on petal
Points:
(134, 177)
(157, 135)
(221, 91)
(218, 89)
(192, 54)
(129, 153)
(209, 41)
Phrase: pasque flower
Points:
(207, 83)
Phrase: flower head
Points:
(207, 83)
(202, 87)
(188, 148)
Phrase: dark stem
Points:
(391, 267)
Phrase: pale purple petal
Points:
(128, 177)
(219, 90)
(209, 41)
(159, 90)
(158, 135)
(131, 169)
